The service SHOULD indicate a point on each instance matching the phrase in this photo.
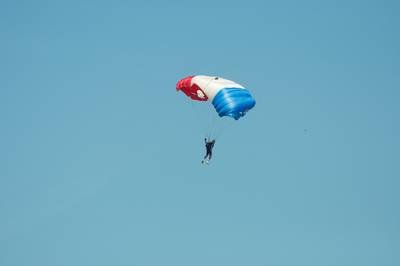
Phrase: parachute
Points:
(228, 98)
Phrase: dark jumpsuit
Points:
(209, 147)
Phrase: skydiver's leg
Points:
(209, 154)
(209, 157)
(204, 158)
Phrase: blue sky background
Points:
(100, 157)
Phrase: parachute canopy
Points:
(228, 98)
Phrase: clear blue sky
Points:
(100, 156)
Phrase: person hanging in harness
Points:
(209, 147)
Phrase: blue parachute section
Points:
(233, 102)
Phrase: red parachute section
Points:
(190, 90)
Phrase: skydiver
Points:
(209, 147)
